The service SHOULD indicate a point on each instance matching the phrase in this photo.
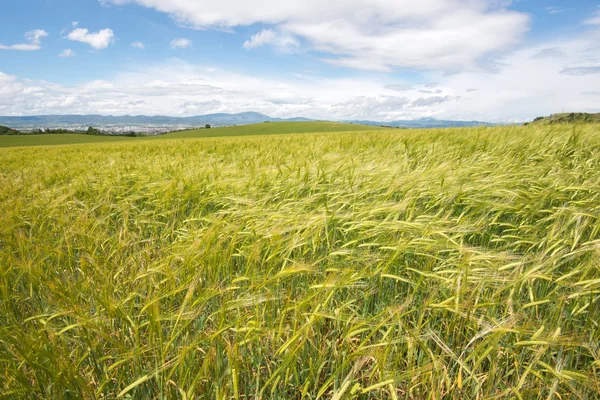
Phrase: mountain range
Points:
(422, 123)
(221, 119)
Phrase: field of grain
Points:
(425, 264)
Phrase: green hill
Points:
(5, 130)
(55, 139)
(567, 118)
(270, 128)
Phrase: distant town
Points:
(112, 130)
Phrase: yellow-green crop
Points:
(461, 263)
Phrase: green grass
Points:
(271, 128)
(422, 264)
(54, 139)
(568, 118)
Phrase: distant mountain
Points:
(422, 123)
(567, 118)
(221, 119)
(44, 121)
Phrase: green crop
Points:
(426, 264)
(55, 139)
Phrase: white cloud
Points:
(374, 34)
(595, 20)
(138, 45)
(181, 43)
(265, 37)
(99, 40)
(530, 82)
(33, 37)
(67, 53)
(527, 85)
(553, 10)
(74, 24)
(21, 47)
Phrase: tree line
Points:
(4, 130)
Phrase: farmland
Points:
(54, 139)
(421, 264)
(273, 128)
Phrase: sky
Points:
(384, 60)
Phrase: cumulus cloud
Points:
(181, 43)
(265, 37)
(67, 53)
(178, 88)
(138, 45)
(523, 87)
(595, 20)
(374, 35)
(99, 40)
(33, 37)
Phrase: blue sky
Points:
(495, 60)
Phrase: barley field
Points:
(383, 264)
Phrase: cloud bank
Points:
(524, 86)
(99, 40)
(380, 35)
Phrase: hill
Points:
(4, 130)
(270, 128)
(567, 118)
